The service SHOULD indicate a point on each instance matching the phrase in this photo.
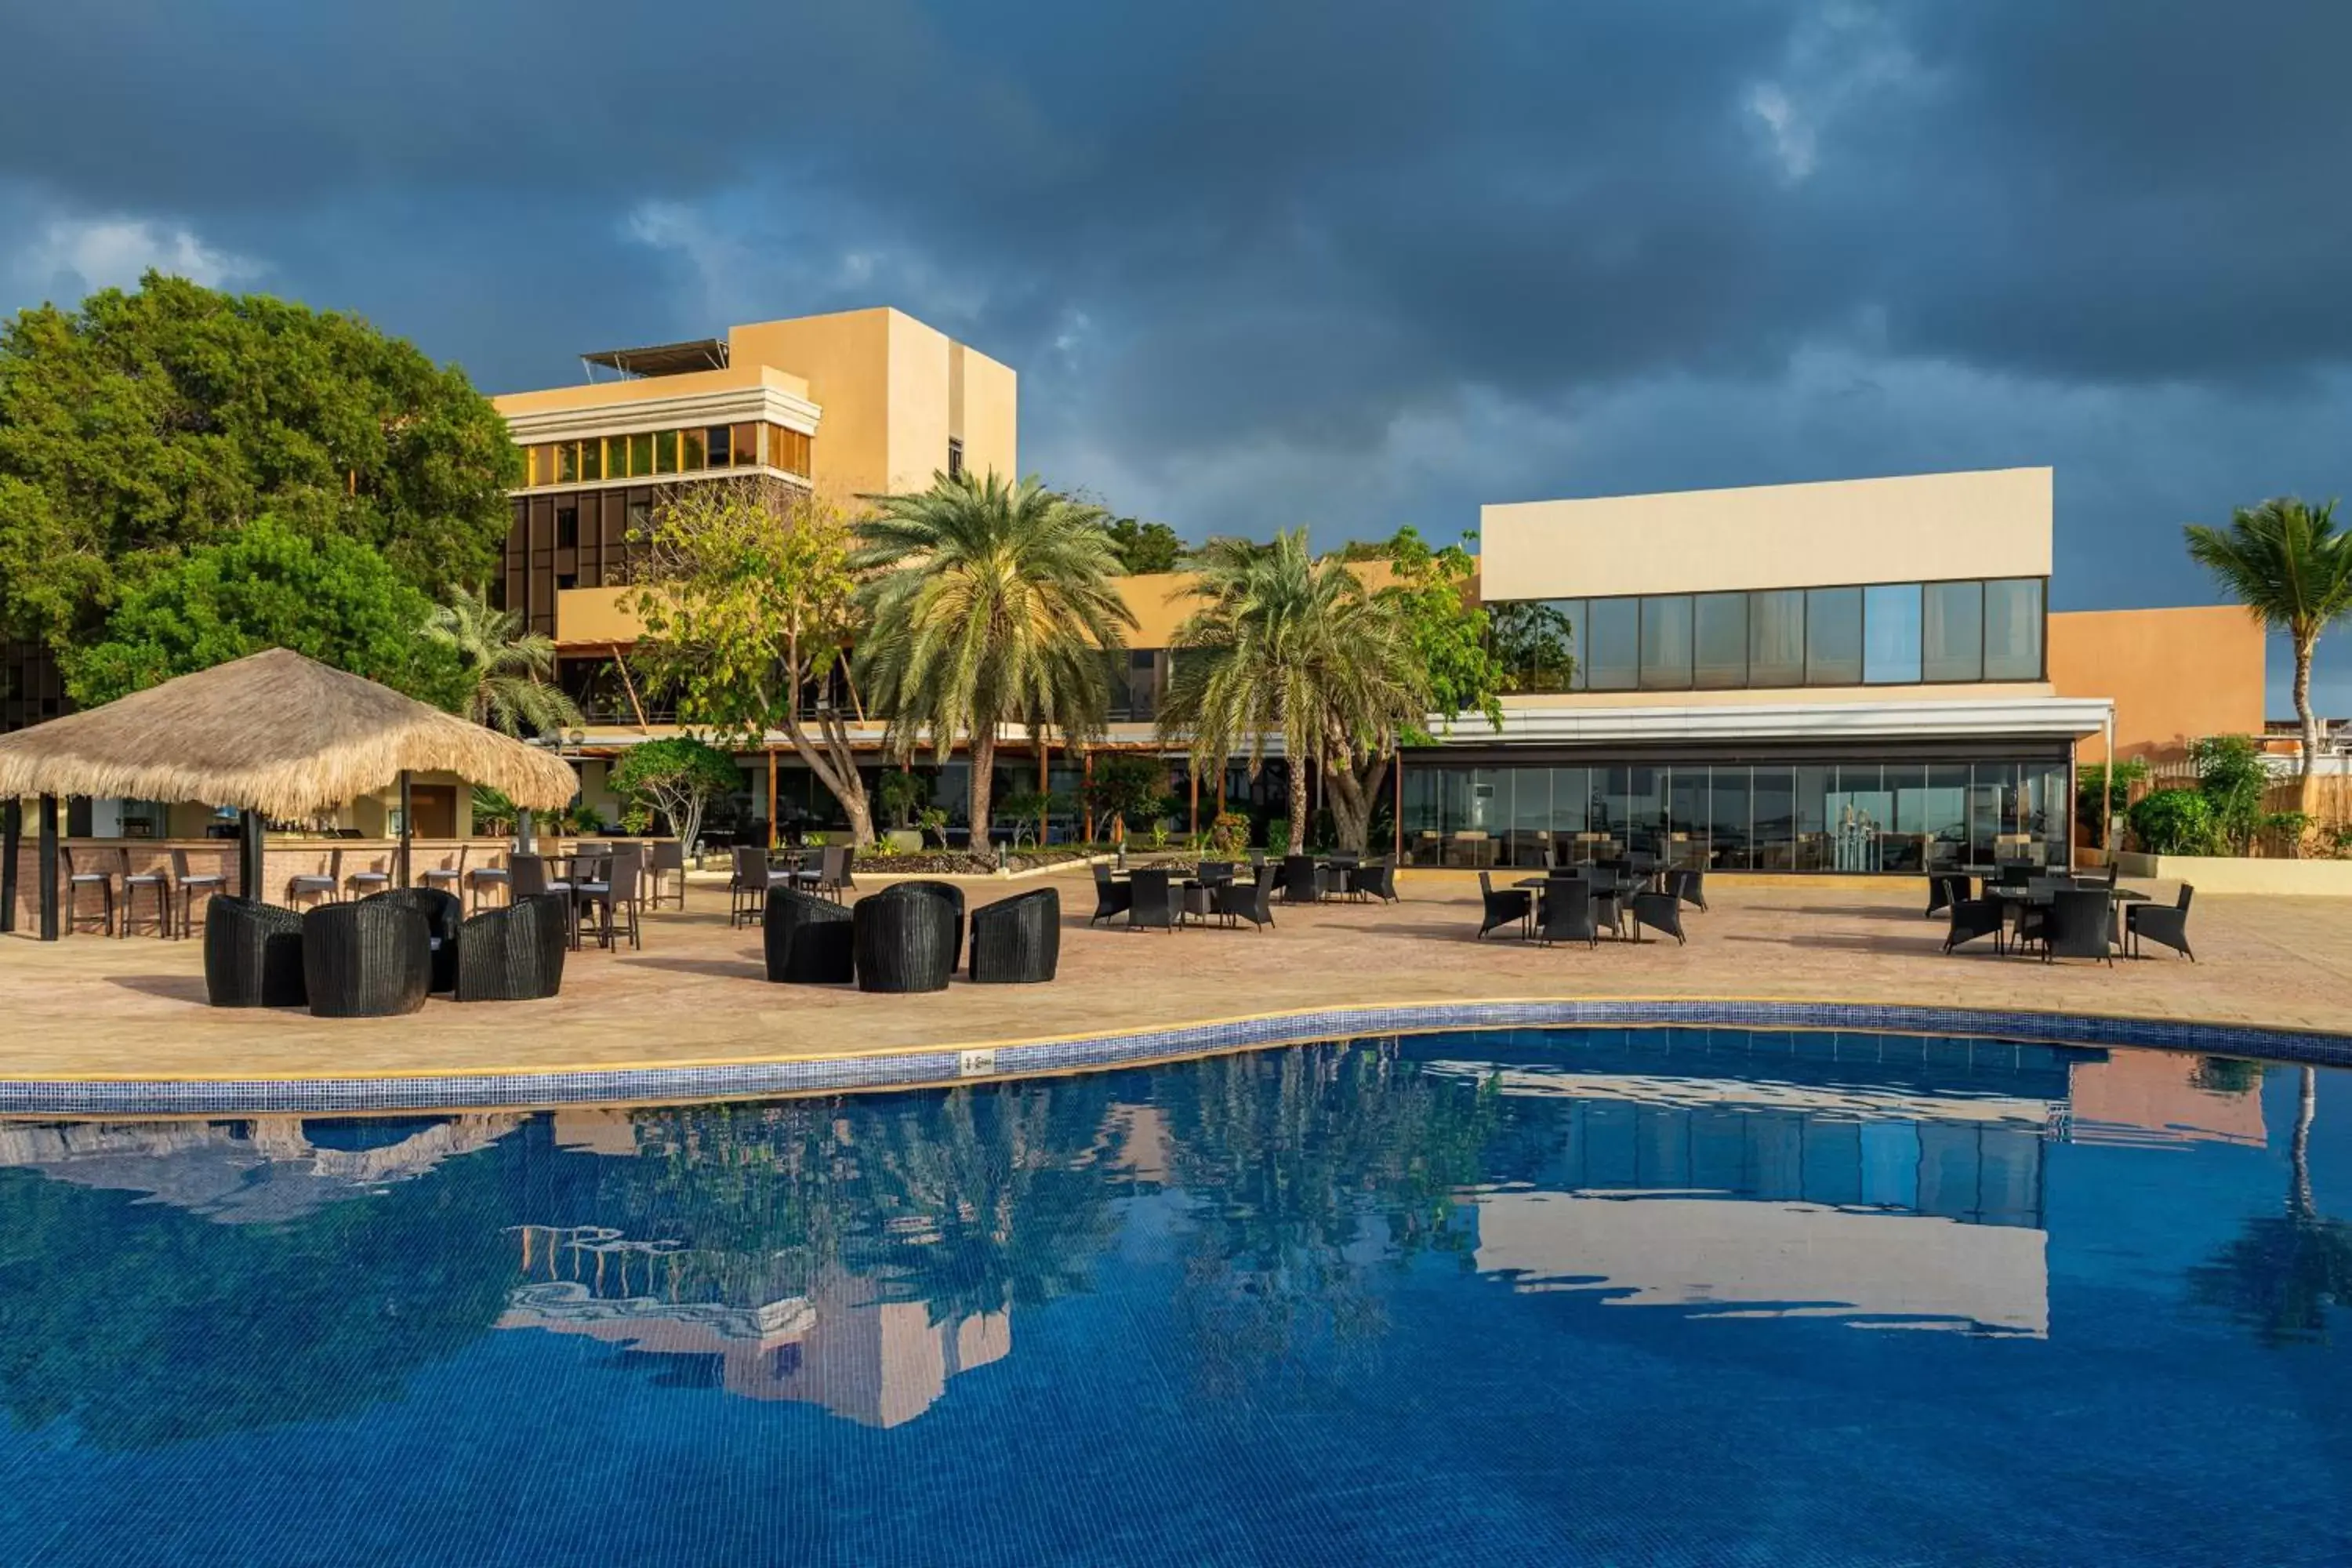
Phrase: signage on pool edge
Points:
(975, 1063)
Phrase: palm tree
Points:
(510, 669)
(992, 604)
(1284, 644)
(2283, 1275)
(2288, 565)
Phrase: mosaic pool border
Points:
(932, 1064)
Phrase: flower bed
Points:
(964, 863)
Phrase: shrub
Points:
(2231, 777)
(1229, 836)
(2176, 822)
(899, 792)
(1277, 837)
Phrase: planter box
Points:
(904, 840)
(2244, 874)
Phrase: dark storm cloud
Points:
(1266, 261)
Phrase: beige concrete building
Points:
(1860, 676)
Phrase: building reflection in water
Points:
(1891, 1181)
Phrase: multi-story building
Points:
(1861, 675)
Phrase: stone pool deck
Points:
(92, 1009)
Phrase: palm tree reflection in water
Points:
(2283, 1272)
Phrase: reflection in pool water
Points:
(1481, 1297)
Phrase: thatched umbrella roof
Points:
(274, 732)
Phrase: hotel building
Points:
(1861, 675)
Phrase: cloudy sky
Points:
(1262, 263)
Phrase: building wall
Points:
(1920, 528)
(985, 412)
(1785, 696)
(850, 360)
(2173, 674)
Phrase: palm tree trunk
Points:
(984, 782)
(2306, 786)
(1295, 764)
(2298, 1196)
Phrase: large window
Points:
(1851, 816)
(646, 453)
(1887, 633)
(1666, 642)
(1613, 656)
(1832, 637)
(2013, 630)
(1719, 640)
(1890, 635)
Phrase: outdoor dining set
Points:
(2026, 910)
(1582, 902)
(1166, 897)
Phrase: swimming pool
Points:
(1672, 1295)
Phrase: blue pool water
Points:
(1615, 1296)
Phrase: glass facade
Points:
(1852, 816)
(1887, 633)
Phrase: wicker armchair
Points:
(515, 953)
(1153, 901)
(2166, 925)
(1110, 898)
(1017, 941)
(905, 938)
(1503, 905)
(443, 916)
(808, 941)
(1973, 918)
(950, 894)
(1252, 900)
(1659, 911)
(2081, 924)
(252, 954)
(1302, 879)
(366, 959)
(1564, 913)
(1374, 879)
(1945, 889)
(1689, 886)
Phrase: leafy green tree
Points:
(1128, 788)
(749, 602)
(1144, 547)
(2175, 821)
(2286, 563)
(144, 425)
(272, 585)
(2102, 793)
(1284, 644)
(991, 603)
(679, 776)
(1451, 637)
(899, 792)
(2231, 777)
(511, 670)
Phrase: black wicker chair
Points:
(1153, 901)
(1374, 879)
(1690, 887)
(2166, 926)
(950, 894)
(2081, 924)
(1302, 879)
(808, 941)
(1110, 898)
(1566, 912)
(515, 953)
(905, 939)
(1973, 918)
(1504, 905)
(1252, 900)
(252, 954)
(1017, 941)
(443, 918)
(367, 960)
(1659, 911)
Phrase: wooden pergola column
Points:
(771, 797)
(12, 838)
(48, 867)
(1086, 791)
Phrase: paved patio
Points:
(91, 1008)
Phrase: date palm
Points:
(1282, 644)
(991, 603)
(509, 670)
(2289, 566)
